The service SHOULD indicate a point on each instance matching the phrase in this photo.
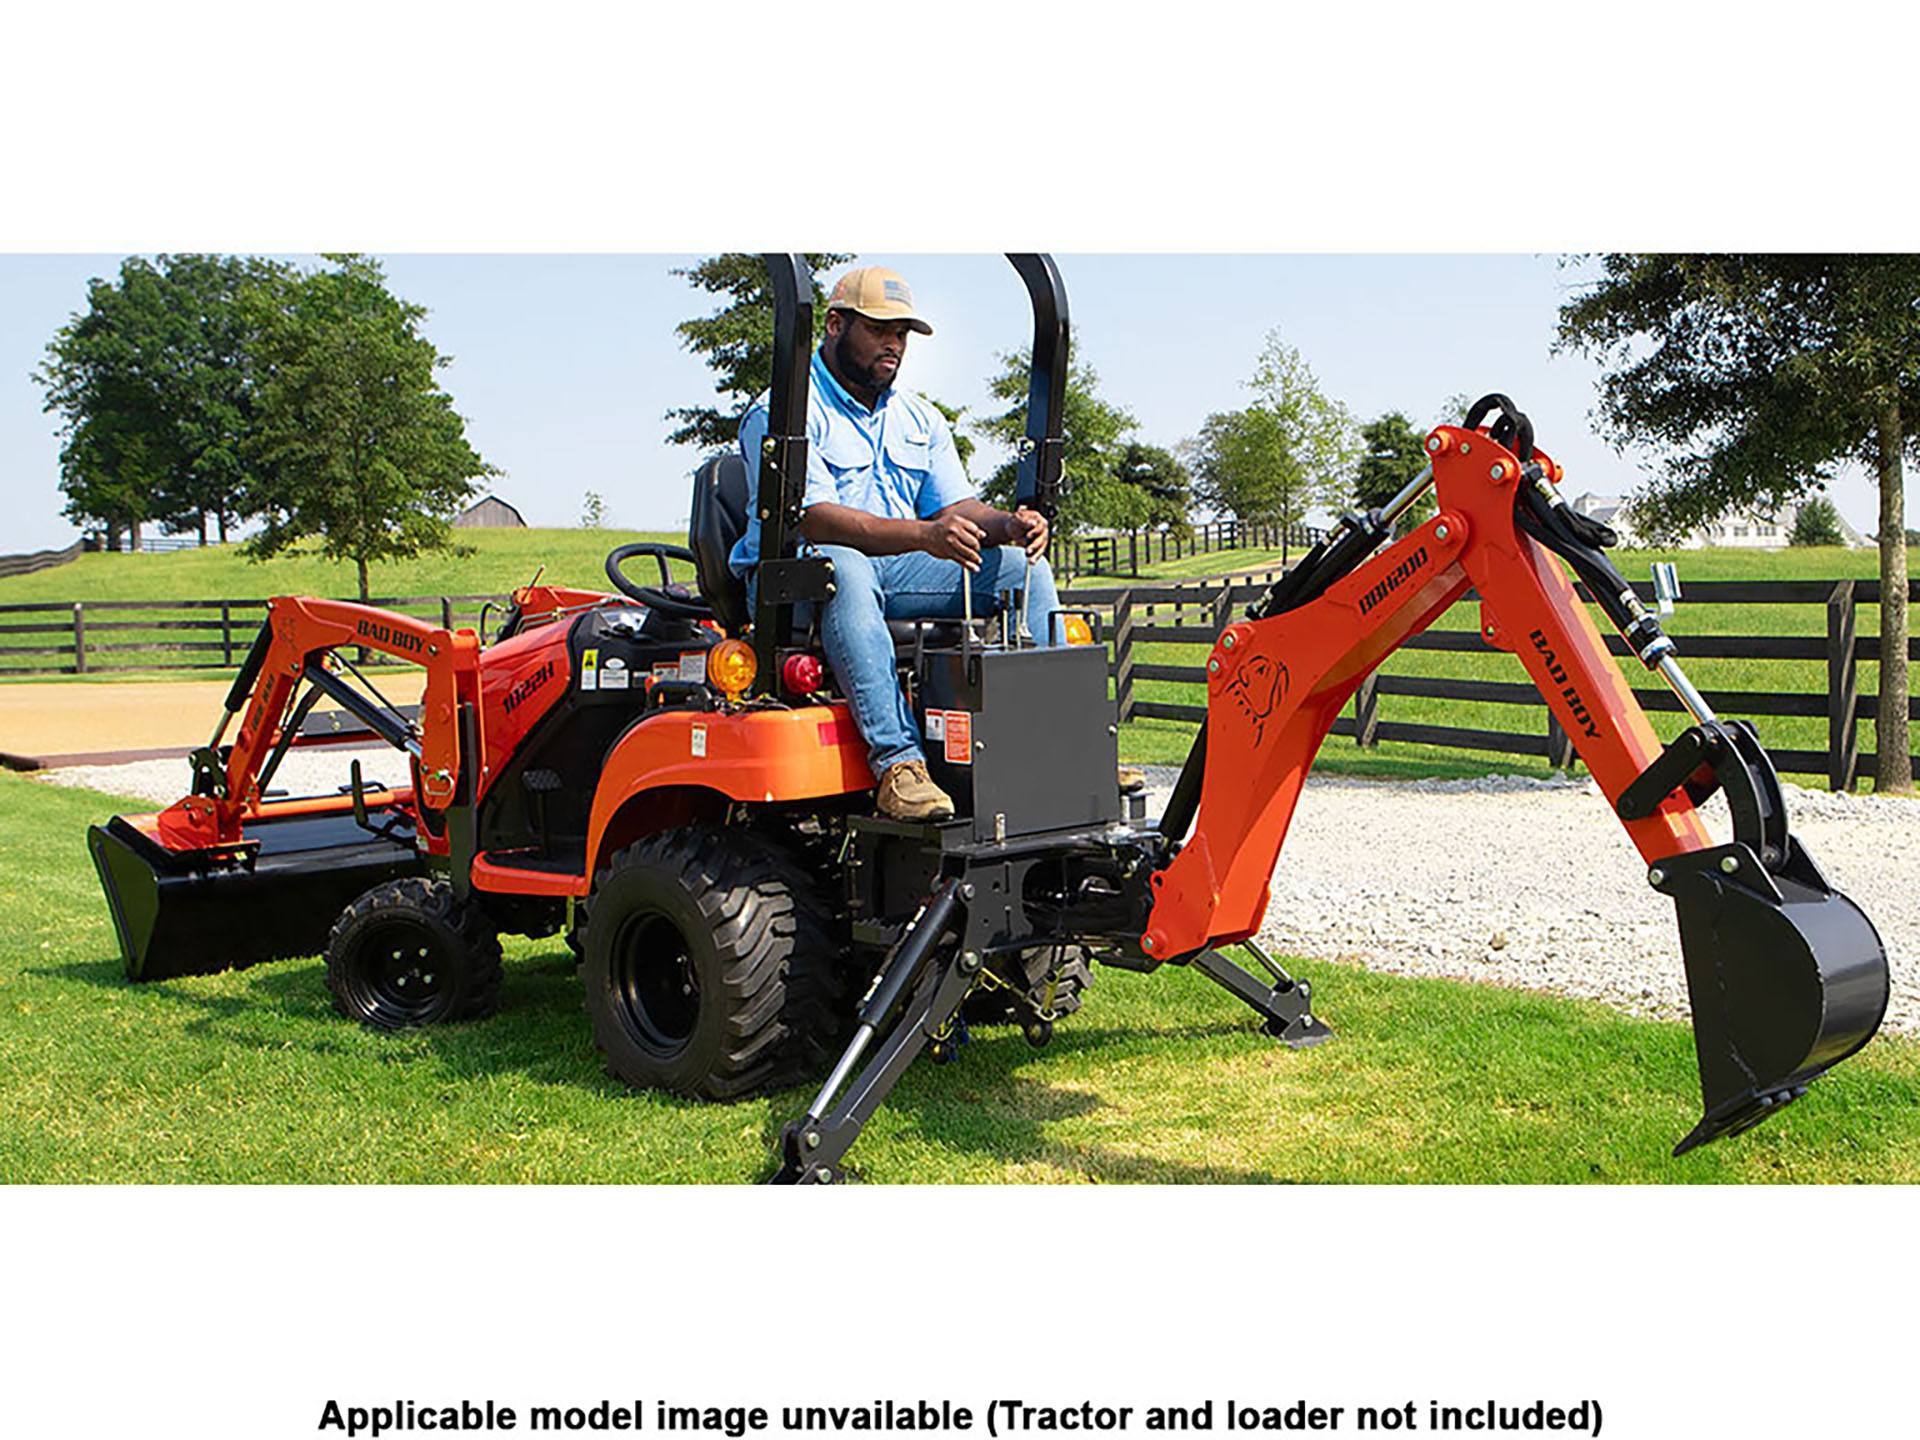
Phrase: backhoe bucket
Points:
(195, 913)
(1787, 977)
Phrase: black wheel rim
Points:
(656, 992)
(403, 975)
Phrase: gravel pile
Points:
(1532, 883)
(1508, 879)
(320, 770)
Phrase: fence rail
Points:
(11, 565)
(1194, 614)
(106, 636)
(92, 637)
(1123, 552)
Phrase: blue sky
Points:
(564, 365)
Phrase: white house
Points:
(1734, 531)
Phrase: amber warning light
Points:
(731, 667)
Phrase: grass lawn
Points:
(251, 1077)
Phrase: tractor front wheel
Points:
(408, 953)
(710, 966)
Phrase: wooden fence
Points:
(1195, 613)
(1124, 552)
(91, 637)
(103, 636)
(39, 560)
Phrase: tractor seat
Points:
(718, 518)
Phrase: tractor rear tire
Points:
(408, 953)
(711, 967)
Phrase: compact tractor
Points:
(669, 779)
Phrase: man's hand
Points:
(952, 536)
(1029, 529)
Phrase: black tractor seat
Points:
(718, 519)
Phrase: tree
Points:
(736, 342)
(1818, 523)
(155, 391)
(1158, 483)
(593, 511)
(1092, 428)
(1392, 453)
(355, 440)
(1752, 379)
(1292, 451)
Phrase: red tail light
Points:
(802, 674)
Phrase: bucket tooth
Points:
(1787, 978)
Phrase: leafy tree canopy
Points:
(1750, 379)
(155, 390)
(1818, 523)
(736, 341)
(1093, 429)
(1393, 451)
(1291, 451)
(359, 446)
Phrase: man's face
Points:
(869, 351)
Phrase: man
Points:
(888, 501)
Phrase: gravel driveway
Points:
(1508, 880)
(1533, 883)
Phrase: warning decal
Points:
(959, 737)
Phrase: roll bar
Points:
(785, 578)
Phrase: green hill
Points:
(498, 561)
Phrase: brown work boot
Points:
(907, 792)
(1132, 778)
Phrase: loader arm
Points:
(292, 649)
(1786, 976)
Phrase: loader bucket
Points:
(191, 913)
(1787, 978)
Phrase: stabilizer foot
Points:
(1287, 1004)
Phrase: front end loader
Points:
(671, 780)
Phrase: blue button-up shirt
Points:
(896, 460)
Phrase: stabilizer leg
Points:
(1286, 1004)
(812, 1147)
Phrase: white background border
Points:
(1197, 127)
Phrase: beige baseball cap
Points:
(879, 294)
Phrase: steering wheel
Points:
(656, 597)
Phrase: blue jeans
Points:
(873, 589)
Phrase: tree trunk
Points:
(363, 580)
(136, 537)
(203, 529)
(223, 526)
(113, 537)
(1893, 770)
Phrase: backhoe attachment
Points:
(1786, 975)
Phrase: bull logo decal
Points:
(1258, 686)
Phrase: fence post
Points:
(446, 613)
(79, 638)
(226, 633)
(1843, 691)
(1560, 754)
(1133, 553)
(1366, 712)
(1123, 655)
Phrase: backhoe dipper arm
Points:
(1786, 975)
(291, 646)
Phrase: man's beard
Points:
(867, 377)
